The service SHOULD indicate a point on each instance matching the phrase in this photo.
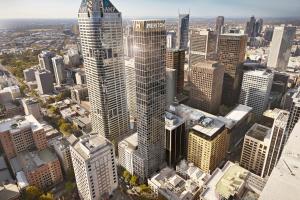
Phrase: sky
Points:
(11, 9)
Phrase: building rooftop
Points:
(259, 132)
(237, 114)
(172, 121)
(30, 161)
(88, 145)
(9, 191)
(284, 180)
(20, 122)
(272, 113)
(260, 73)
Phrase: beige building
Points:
(20, 134)
(206, 87)
(255, 149)
(94, 166)
(207, 144)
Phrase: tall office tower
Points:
(170, 86)
(175, 60)
(94, 166)
(59, 69)
(183, 31)
(219, 24)
(174, 139)
(206, 86)
(128, 42)
(255, 149)
(45, 60)
(208, 144)
(259, 26)
(255, 92)
(268, 33)
(281, 46)
(202, 45)
(150, 67)
(285, 178)
(171, 40)
(100, 25)
(131, 87)
(278, 139)
(44, 80)
(294, 112)
(231, 53)
(250, 27)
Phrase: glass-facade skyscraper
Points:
(100, 25)
(183, 31)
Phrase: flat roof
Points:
(20, 122)
(238, 113)
(211, 129)
(259, 132)
(284, 180)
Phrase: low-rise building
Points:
(232, 182)
(20, 134)
(79, 93)
(41, 168)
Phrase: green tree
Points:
(69, 186)
(144, 188)
(70, 176)
(126, 176)
(66, 128)
(133, 181)
(32, 193)
(48, 196)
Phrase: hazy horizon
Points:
(67, 9)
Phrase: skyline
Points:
(58, 9)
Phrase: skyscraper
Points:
(231, 53)
(183, 31)
(94, 166)
(278, 139)
(150, 67)
(175, 60)
(206, 86)
(250, 27)
(171, 39)
(255, 149)
(281, 45)
(219, 24)
(100, 25)
(58, 69)
(255, 92)
(45, 60)
(44, 80)
(128, 42)
(131, 87)
(202, 45)
(294, 112)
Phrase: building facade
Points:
(101, 23)
(219, 24)
(44, 80)
(294, 112)
(131, 87)
(94, 166)
(231, 53)
(255, 149)
(183, 31)
(255, 92)
(206, 86)
(281, 46)
(150, 67)
(58, 69)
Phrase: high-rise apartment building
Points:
(175, 59)
(20, 134)
(255, 92)
(183, 31)
(44, 80)
(100, 25)
(231, 53)
(94, 166)
(281, 45)
(202, 45)
(32, 107)
(219, 24)
(255, 149)
(45, 60)
(277, 142)
(206, 86)
(174, 139)
(150, 67)
(294, 112)
(58, 69)
(207, 144)
(131, 87)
